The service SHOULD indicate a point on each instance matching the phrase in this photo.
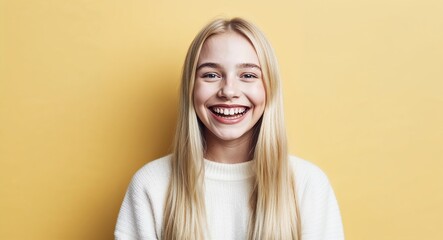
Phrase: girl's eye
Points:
(210, 75)
(248, 76)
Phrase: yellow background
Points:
(88, 94)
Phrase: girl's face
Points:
(229, 95)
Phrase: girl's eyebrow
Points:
(208, 64)
(248, 65)
(215, 65)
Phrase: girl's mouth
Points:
(229, 112)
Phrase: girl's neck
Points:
(228, 151)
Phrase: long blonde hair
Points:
(275, 213)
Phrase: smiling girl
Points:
(230, 175)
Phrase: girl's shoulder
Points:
(305, 168)
(159, 164)
(154, 173)
(308, 175)
(318, 205)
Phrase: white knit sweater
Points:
(228, 187)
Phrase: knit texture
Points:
(227, 191)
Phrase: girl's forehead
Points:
(226, 38)
(229, 46)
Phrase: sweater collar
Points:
(229, 172)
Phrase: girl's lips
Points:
(228, 115)
(228, 111)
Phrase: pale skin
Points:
(229, 96)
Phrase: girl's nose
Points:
(229, 89)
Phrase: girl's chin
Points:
(230, 136)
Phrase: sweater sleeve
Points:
(136, 219)
(320, 214)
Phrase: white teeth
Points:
(229, 111)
